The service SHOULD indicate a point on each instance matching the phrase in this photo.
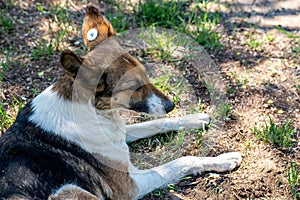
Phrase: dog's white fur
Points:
(98, 134)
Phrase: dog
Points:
(70, 143)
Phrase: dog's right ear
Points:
(70, 62)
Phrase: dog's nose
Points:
(169, 106)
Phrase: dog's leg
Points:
(149, 128)
(151, 179)
(72, 192)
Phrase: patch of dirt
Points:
(254, 75)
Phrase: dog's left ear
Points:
(95, 28)
(70, 62)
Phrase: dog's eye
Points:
(92, 34)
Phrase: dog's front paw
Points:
(227, 161)
(197, 121)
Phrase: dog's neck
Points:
(94, 131)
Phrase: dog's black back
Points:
(34, 163)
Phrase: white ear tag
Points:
(92, 34)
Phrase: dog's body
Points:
(69, 143)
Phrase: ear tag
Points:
(92, 34)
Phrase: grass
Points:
(225, 110)
(280, 135)
(195, 20)
(294, 180)
(42, 50)
(7, 53)
(161, 45)
(6, 23)
(6, 119)
(63, 27)
(163, 84)
(295, 49)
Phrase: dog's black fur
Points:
(34, 163)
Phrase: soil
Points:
(261, 81)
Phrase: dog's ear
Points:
(70, 62)
(95, 28)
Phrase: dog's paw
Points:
(198, 121)
(227, 161)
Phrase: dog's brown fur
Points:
(94, 19)
(125, 77)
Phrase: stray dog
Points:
(69, 143)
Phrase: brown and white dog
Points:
(69, 143)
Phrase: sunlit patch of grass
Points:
(161, 45)
(195, 21)
(280, 135)
(163, 84)
(60, 22)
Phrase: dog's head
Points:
(114, 77)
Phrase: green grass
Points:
(6, 120)
(295, 49)
(294, 180)
(280, 135)
(173, 91)
(6, 23)
(60, 15)
(42, 50)
(161, 45)
(5, 57)
(224, 111)
(195, 21)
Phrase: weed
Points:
(252, 41)
(5, 59)
(288, 33)
(6, 119)
(295, 49)
(294, 180)
(35, 91)
(225, 111)
(161, 45)
(118, 20)
(58, 39)
(162, 83)
(6, 24)
(248, 144)
(42, 50)
(60, 13)
(39, 7)
(279, 135)
(195, 21)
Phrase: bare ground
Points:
(270, 71)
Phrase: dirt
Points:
(262, 81)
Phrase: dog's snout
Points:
(169, 106)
